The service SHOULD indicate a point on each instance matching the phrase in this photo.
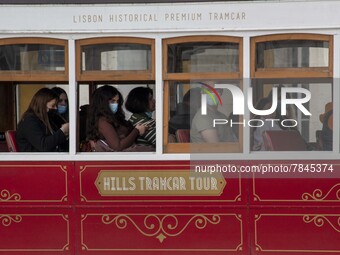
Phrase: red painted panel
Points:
(32, 231)
(301, 187)
(164, 231)
(56, 208)
(87, 173)
(296, 230)
(35, 183)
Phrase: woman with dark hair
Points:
(62, 102)
(35, 132)
(61, 115)
(141, 104)
(107, 128)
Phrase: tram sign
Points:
(158, 183)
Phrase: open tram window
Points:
(27, 65)
(193, 67)
(124, 63)
(287, 70)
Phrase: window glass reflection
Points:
(203, 57)
(204, 111)
(269, 131)
(32, 57)
(116, 57)
(292, 54)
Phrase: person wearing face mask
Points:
(202, 129)
(141, 104)
(62, 107)
(35, 132)
(107, 129)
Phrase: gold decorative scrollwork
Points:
(6, 220)
(163, 226)
(5, 195)
(318, 195)
(320, 220)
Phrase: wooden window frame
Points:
(36, 76)
(168, 77)
(315, 72)
(113, 75)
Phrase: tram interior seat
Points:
(183, 135)
(11, 141)
(283, 140)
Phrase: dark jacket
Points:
(33, 136)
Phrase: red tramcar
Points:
(189, 196)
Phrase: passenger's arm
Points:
(35, 133)
(209, 135)
(111, 136)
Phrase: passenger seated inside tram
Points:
(185, 111)
(61, 116)
(327, 127)
(141, 104)
(257, 132)
(107, 129)
(35, 132)
(62, 102)
(202, 126)
(82, 123)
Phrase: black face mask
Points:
(52, 112)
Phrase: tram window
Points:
(117, 57)
(26, 65)
(188, 123)
(203, 57)
(32, 57)
(85, 98)
(292, 54)
(309, 55)
(296, 66)
(122, 62)
(295, 119)
(194, 64)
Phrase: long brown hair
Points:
(38, 106)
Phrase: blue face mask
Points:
(62, 109)
(114, 107)
(149, 114)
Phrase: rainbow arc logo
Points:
(213, 94)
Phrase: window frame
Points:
(316, 72)
(185, 77)
(36, 76)
(114, 75)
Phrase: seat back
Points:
(183, 135)
(283, 140)
(11, 141)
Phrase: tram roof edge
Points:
(66, 2)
